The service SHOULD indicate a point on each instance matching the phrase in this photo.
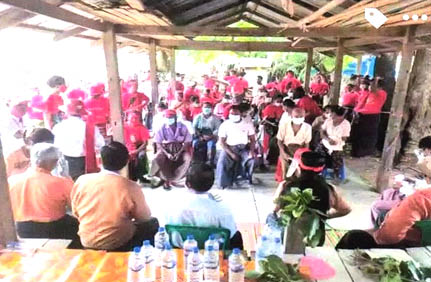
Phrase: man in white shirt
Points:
(199, 208)
(72, 137)
(237, 139)
(12, 126)
(292, 135)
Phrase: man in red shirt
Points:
(312, 110)
(136, 137)
(240, 85)
(77, 94)
(97, 107)
(191, 91)
(133, 100)
(208, 97)
(195, 107)
(318, 89)
(272, 86)
(51, 111)
(35, 109)
(216, 94)
(271, 115)
(371, 102)
(350, 97)
(208, 82)
(289, 78)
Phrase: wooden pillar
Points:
(7, 224)
(110, 48)
(172, 71)
(397, 110)
(153, 73)
(308, 69)
(358, 64)
(336, 87)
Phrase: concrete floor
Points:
(254, 204)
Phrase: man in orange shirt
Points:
(111, 209)
(39, 199)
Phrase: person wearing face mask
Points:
(317, 125)
(195, 106)
(51, 112)
(294, 135)
(221, 107)
(236, 100)
(367, 118)
(136, 137)
(133, 100)
(334, 132)
(305, 102)
(236, 161)
(174, 152)
(271, 115)
(206, 127)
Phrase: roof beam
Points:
(263, 31)
(68, 33)
(204, 10)
(40, 7)
(13, 16)
(53, 30)
(217, 17)
(368, 41)
(317, 14)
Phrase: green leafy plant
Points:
(275, 270)
(387, 269)
(296, 207)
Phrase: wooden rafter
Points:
(13, 16)
(204, 10)
(136, 4)
(317, 14)
(68, 33)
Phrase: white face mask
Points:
(298, 121)
(235, 118)
(268, 100)
(278, 104)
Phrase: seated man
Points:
(173, 156)
(237, 139)
(199, 208)
(111, 209)
(39, 199)
(206, 127)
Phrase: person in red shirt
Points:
(208, 96)
(208, 82)
(195, 107)
(220, 108)
(97, 107)
(272, 86)
(191, 91)
(77, 94)
(240, 85)
(136, 137)
(350, 97)
(179, 86)
(289, 78)
(35, 109)
(133, 100)
(51, 112)
(216, 93)
(318, 89)
(271, 116)
(236, 100)
(312, 110)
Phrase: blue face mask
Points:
(207, 111)
(170, 121)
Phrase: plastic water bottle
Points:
(277, 248)
(262, 251)
(188, 247)
(147, 256)
(135, 266)
(169, 264)
(213, 242)
(195, 267)
(211, 264)
(160, 239)
(236, 266)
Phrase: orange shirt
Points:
(17, 162)
(399, 222)
(105, 204)
(36, 195)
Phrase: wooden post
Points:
(358, 64)
(110, 48)
(7, 224)
(397, 110)
(172, 71)
(308, 69)
(153, 73)
(336, 87)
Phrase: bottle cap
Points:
(190, 237)
(195, 250)
(168, 246)
(136, 250)
(211, 237)
(264, 238)
(210, 248)
(146, 243)
(236, 251)
(277, 240)
(161, 229)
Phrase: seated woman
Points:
(328, 202)
(173, 156)
(40, 200)
(424, 157)
(311, 108)
(317, 126)
(199, 208)
(136, 137)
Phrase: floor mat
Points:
(333, 236)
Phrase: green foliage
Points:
(275, 270)
(296, 205)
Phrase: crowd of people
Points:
(215, 133)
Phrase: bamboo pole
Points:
(397, 110)
(153, 73)
(172, 71)
(358, 64)
(336, 87)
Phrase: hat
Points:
(76, 107)
(170, 113)
(312, 161)
(97, 89)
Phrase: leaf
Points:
(298, 211)
(253, 274)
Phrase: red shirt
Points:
(135, 135)
(208, 98)
(371, 103)
(191, 92)
(272, 111)
(209, 83)
(240, 85)
(350, 99)
(98, 109)
(319, 88)
(134, 101)
(309, 106)
(195, 110)
(52, 103)
(35, 110)
(220, 109)
(295, 83)
(78, 95)
(226, 111)
(216, 95)
(179, 86)
(272, 88)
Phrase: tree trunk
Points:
(417, 112)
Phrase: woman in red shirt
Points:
(365, 127)
(97, 107)
(51, 112)
(136, 137)
(312, 110)
(271, 115)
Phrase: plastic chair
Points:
(329, 173)
(178, 234)
(425, 228)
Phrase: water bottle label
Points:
(236, 276)
(237, 269)
(170, 265)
